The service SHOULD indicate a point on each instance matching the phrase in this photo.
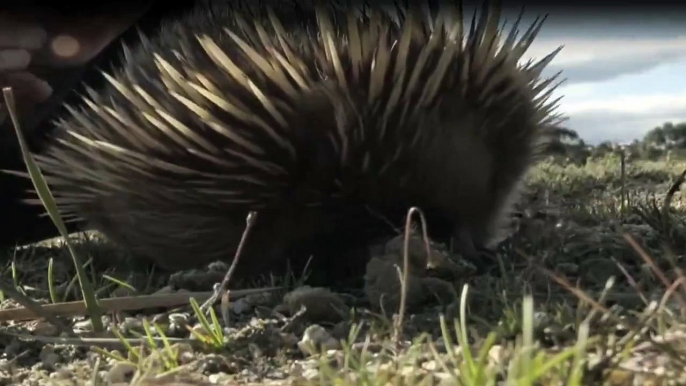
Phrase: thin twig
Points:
(577, 292)
(658, 272)
(125, 303)
(34, 307)
(623, 183)
(224, 286)
(631, 281)
(99, 341)
(405, 276)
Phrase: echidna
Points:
(325, 125)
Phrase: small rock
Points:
(316, 338)
(321, 304)
(416, 247)
(186, 358)
(184, 352)
(241, 306)
(131, 324)
(44, 328)
(382, 284)
(7, 365)
(541, 320)
(497, 354)
(264, 299)
(443, 379)
(440, 261)
(181, 318)
(220, 378)
(121, 372)
(178, 322)
(62, 375)
(83, 326)
(213, 364)
(383, 289)
(310, 374)
(49, 358)
(430, 365)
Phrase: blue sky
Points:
(626, 73)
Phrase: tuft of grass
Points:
(167, 355)
(215, 335)
(48, 201)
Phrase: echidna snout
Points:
(314, 124)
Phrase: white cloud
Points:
(597, 126)
(632, 105)
(578, 51)
(618, 88)
(599, 59)
(625, 72)
(623, 117)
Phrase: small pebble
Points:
(121, 372)
(316, 338)
(49, 358)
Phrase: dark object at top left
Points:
(90, 38)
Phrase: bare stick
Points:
(623, 197)
(34, 307)
(127, 303)
(405, 276)
(658, 272)
(224, 286)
